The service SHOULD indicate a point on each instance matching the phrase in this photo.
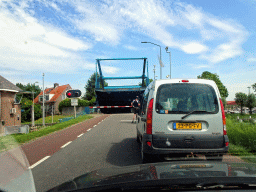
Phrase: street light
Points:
(166, 48)
(249, 90)
(33, 109)
(154, 72)
(160, 56)
(43, 103)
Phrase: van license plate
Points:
(187, 126)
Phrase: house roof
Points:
(6, 85)
(231, 103)
(56, 91)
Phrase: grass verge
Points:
(48, 119)
(11, 141)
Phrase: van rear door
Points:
(188, 116)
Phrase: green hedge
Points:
(81, 103)
(242, 134)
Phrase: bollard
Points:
(237, 117)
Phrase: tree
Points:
(150, 80)
(254, 87)
(224, 101)
(26, 105)
(29, 87)
(207, 75)
(90, 87)
(241, 99)
(251, 102)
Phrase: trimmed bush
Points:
(81, 103)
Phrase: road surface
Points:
(105, 141)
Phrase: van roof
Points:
(200, 81)
(203, 81)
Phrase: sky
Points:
(63, 38)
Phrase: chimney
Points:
(56, 85)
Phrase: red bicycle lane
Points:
(50, 144)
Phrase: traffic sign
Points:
(74, 101)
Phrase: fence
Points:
(8, 130)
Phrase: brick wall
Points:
(7, 102)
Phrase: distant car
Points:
(182, 117)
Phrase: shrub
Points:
(242, 134)
(64, 103)
(26, 105)
(67, 103)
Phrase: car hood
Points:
(178, 171)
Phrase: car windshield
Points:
(185, 98)
(79, 106)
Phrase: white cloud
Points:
(130, 47)
(109, 69)
(193, 48)
(201, 66)
(58, 39)
(98, 20)
(27, 45)
(251, 59)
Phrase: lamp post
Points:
(166, 48)
(33, 108)
(160, 57)
(43, 103)
(154, 72)
(249, 90)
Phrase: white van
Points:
(180, 117)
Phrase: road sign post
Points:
(74, 102)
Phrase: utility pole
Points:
(33, 107)
(170, 60)
(43, 104)
(154, 72)
(249, 90)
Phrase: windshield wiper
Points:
(209, 112)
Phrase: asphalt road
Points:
(109, 143)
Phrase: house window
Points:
(63, 96)
(41, 98)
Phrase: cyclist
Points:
(135, 104)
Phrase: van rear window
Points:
(184, 98)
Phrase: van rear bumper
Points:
(156, 150)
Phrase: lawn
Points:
(11, 141)
(49, 119)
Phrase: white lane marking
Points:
(126, 120)
(94, 125)
(66, 144)
(38, 162)
(89, 129)
(80, 135)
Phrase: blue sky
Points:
(63, 38)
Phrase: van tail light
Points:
(149, 117)
(223, 118)
(184, 81)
